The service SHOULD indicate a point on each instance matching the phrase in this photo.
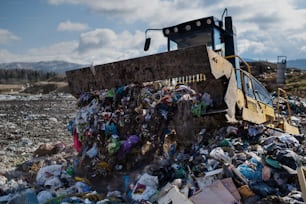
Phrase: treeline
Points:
(12, 76)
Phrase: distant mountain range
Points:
(63, 66)
(298, 63)
(47, 66)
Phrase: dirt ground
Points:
(29, 121)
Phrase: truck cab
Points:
(220, 37)
(254, 102)
(217, 35)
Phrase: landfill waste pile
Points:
(149, 144)
(28, 121)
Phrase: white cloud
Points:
(71, 26)
(55, 49)
(6, 36)
(98, 46)
(180, 10)
(247, 45)
(106, 45)
(6, 56)
(59, 51)
(97, 38)
(153, 12)
(58, 2)
(271, 28)
(298, 36)
(303, 49)
(265, 28)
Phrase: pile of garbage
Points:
(148, 144)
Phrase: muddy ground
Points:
(31, 120)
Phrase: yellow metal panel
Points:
(251, 116)
(219, 65)
(252, 106)
(268, 112)
(302, 180)
(253, 113)
(240, 99)
(290, 128)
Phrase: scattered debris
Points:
(127, 149)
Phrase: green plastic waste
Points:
(198, 109)
(113, 146)
(70, 171)
(110, 93)
(225, 143)
(272, 162)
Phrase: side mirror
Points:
(147, 44)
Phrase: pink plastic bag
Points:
(77, 143)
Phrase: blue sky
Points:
(101, 31)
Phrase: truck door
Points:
(252, 110)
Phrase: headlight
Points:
(167, 31)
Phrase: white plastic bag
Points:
(93, 151)
(44, 196)
(220, 155)
(46, 172)
(149, 184)
(54, 182)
